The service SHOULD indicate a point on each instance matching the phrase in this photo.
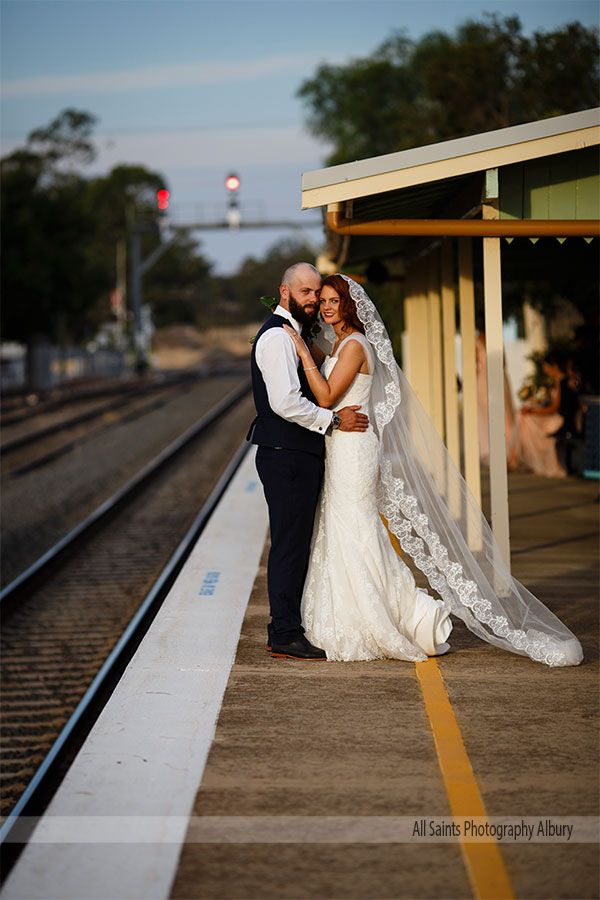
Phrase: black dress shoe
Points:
(298, 649)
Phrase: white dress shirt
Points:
(277, 360)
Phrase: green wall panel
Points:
(565, 186)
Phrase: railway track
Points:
(63, 478)
(84, 601)
(109, 403)
(39, 447)
(17, 410)
(23, 407)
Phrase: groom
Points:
(289, 429)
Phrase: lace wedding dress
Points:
(360, 599)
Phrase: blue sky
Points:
(196, 88)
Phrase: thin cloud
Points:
(269, 145)
(192, 148)
(151, 77)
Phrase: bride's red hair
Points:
(347, 305)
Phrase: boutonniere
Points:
(315, 329)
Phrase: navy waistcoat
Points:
(269, 429)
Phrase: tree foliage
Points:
(60, 237)
(69, 136)
(46, 280)
(487, 75)
(60, 232)
(180, 289)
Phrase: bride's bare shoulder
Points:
(354, 347)
(350, 347)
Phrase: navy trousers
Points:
(292, 481)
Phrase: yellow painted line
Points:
(483, 860)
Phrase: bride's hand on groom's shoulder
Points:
(291, 331)
(296, 338)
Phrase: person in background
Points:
(553, 419)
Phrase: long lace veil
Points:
(438, 522)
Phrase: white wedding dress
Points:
(360, 599)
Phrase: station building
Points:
(449, 215)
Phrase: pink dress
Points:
(538, 450)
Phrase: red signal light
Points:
(163, 198)
(232, 182)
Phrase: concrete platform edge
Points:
(146, 754)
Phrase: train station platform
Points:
(216, 771)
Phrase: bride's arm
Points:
(327, 393)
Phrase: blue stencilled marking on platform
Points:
(207, 588)
(251, 486)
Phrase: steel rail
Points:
(129, 395)
(70, 395)
(122, 495)
(13, 416)
(22, 819)
(127, 417)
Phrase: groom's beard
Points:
(302, 315)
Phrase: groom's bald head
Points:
(299, 270)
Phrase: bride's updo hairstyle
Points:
(347, 306)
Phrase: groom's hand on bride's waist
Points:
(352, 420)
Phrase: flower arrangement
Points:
(535, 390)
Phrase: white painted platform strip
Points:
(145, 756)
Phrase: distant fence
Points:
(52, 366)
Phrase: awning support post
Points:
(466, 295)
(434, 334)
(492, 286)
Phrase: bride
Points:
(360, 600)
